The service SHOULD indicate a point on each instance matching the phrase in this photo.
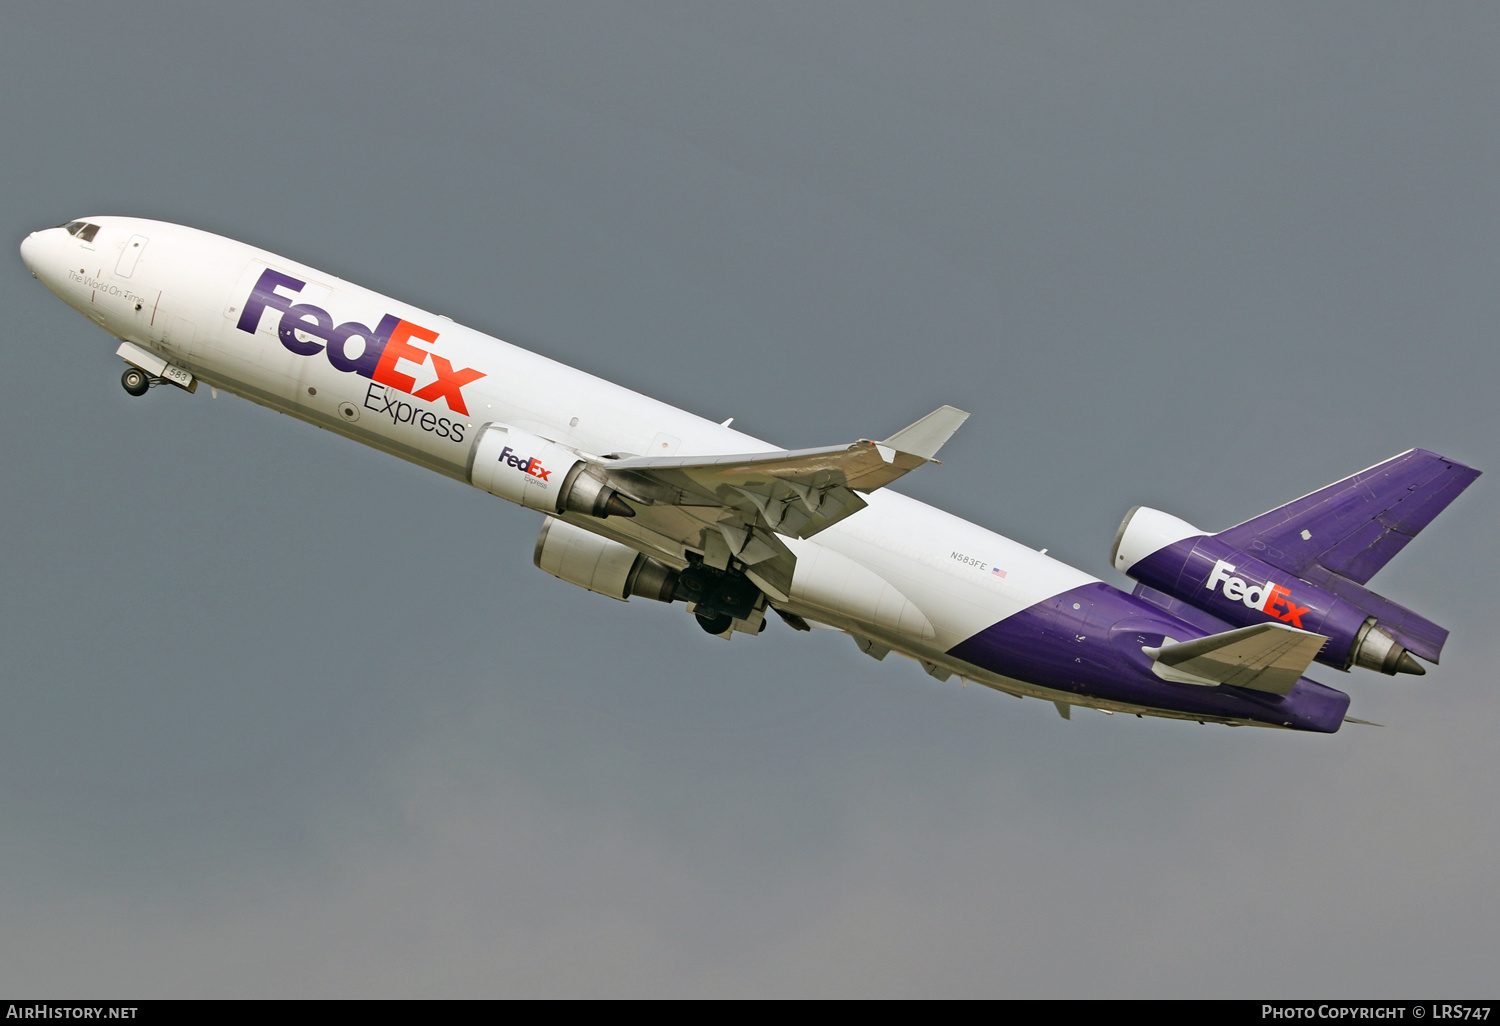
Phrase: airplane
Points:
(640, 499)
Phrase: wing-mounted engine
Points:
(1304, 564)
(583, 558)
(724, 602)
(541, 474)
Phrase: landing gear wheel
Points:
(135, 380)
(714, 623)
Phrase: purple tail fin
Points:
(1353, 527)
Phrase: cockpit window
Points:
(82, 229)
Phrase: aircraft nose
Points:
(43, 253)
(29, 252)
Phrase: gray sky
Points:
(283, 716)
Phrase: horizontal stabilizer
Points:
(1265, 657)
(1353, 527)
(928, 435)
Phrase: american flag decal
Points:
(997, 571)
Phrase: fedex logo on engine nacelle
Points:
(1267, 598)
(525, 464)
(376, 353)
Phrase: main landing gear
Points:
(135, 380)
(715, 622)
(719, 597)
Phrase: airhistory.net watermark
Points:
(44, 1011)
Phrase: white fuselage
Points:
(180, 294)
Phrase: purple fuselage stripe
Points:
(1088, 641)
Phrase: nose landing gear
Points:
(135, 381)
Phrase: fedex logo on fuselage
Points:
(376, 353)
(525, 464)
(1268, 598)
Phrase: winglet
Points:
(926, 436)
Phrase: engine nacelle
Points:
(583, 558)
(539, 474)
(724, 602)
(1144, 531)
(1177, 560)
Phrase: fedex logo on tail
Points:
(376, 353)
(1268, 598)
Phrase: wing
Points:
(739, 507)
